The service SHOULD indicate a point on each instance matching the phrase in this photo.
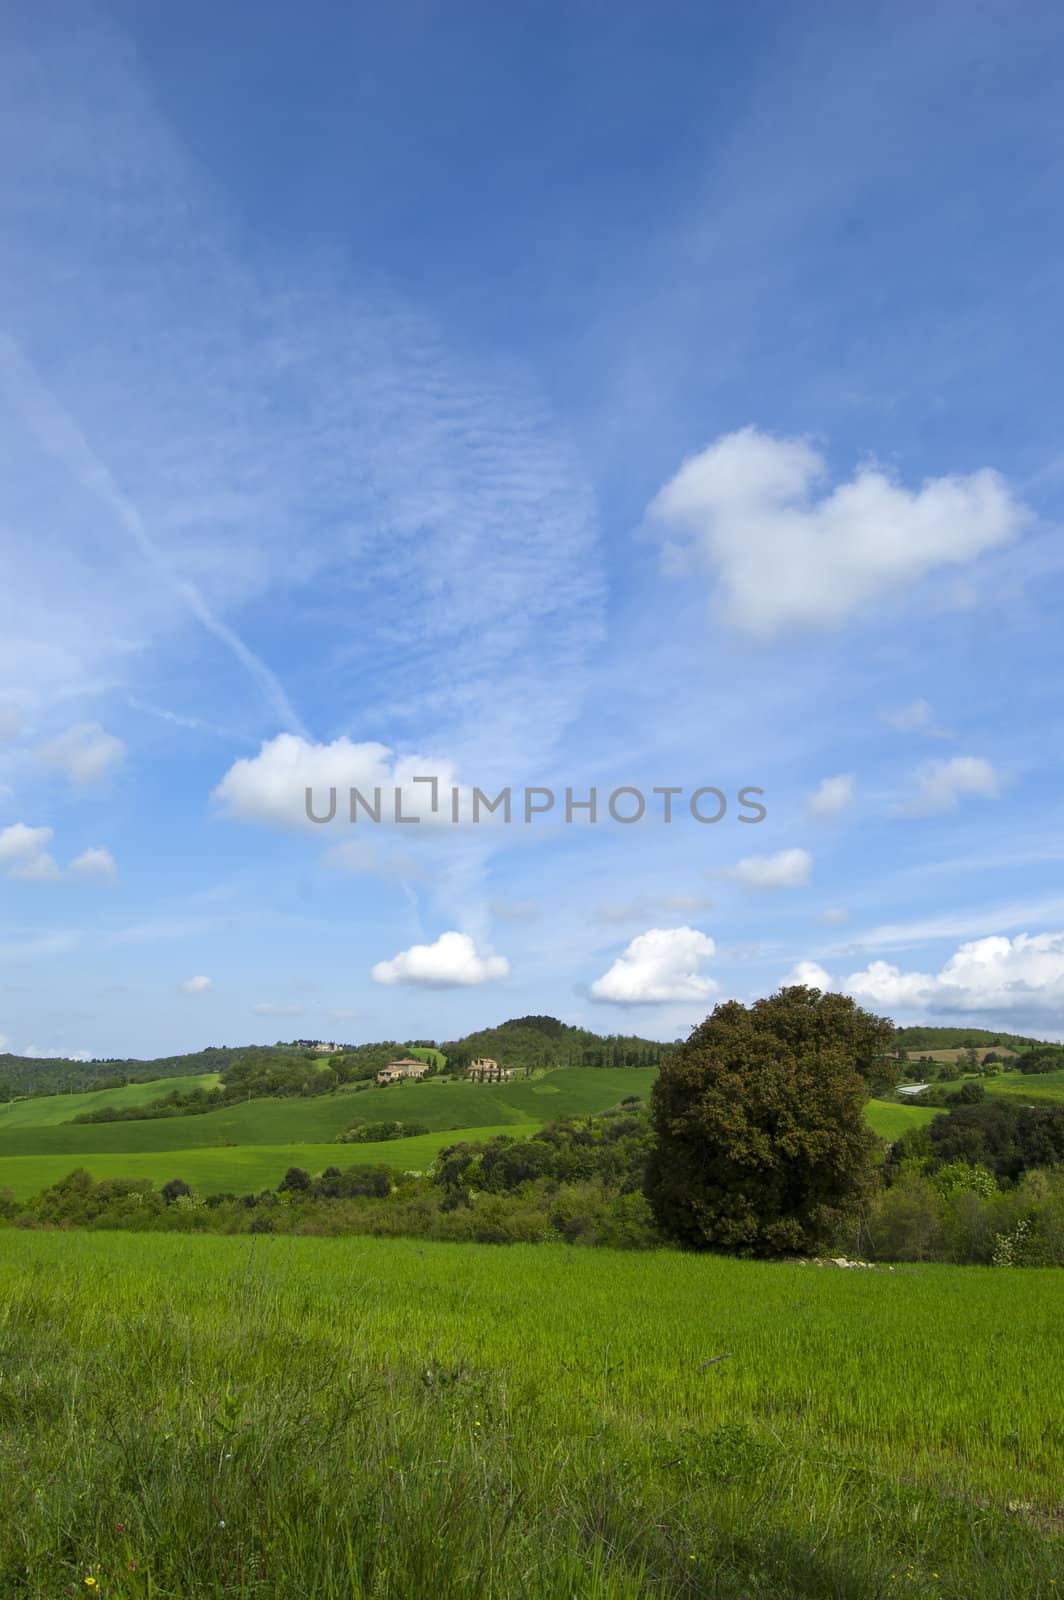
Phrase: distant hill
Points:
(21, 1075)
(523, 1042)
(546, 1042)
(961, 1038)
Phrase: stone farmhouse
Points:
(396, 1071)
(484, 1070)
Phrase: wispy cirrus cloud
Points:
(303, 436)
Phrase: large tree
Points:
(760, 1142)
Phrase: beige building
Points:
(396, 1071)
(484, 1070)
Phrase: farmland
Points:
(245, 1148)
(248, 1147)
(890, 1121)
(239, 1169)
(355, 1417)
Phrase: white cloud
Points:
(272, 786)
(35, 1053)
(834, 914)
(362, 856)
(197, 985)
(783, 558)
(996, 974)
(663, 964)
(832, 797)
(940, 784)
(810, 973)
(96, 863)
(452, 962)
(909, 719)
(23, 853)
(786, 869)
(10, 722)
(84, 753)
(638, 910)
(266, 1008)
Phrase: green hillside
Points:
(243, 1169)
(546, 1042)
(49, 1110)
(890, 1121)
(21, 1075)
(921, 1038)
(439, 1106)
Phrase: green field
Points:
(1032, 1088)
(396, 1419)
(438, 1106)
(243, 1169)
(890, 1121)
(43, 1111)
(247, 1148)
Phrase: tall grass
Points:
(386, 1419)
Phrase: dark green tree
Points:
(760, 1142)
(296, 1181)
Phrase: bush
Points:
(906, 1221)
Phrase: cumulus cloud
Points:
(941, 784)
(272, 786)
(84, 753)
(660, 965)
(198, 985)
(834, 915)
(453, 962)
(10, 723)
(783, 556)
(995, 974)
(810, 973)
(786, 869)
(832, 797)
(23, 853)
(96, 863)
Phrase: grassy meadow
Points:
(50, 1110)
(890, 1121)
(187, 1417)
(310, 1121)
(247, 1148)
(242, 1169)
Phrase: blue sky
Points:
(560, 396)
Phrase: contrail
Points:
(59, 433)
